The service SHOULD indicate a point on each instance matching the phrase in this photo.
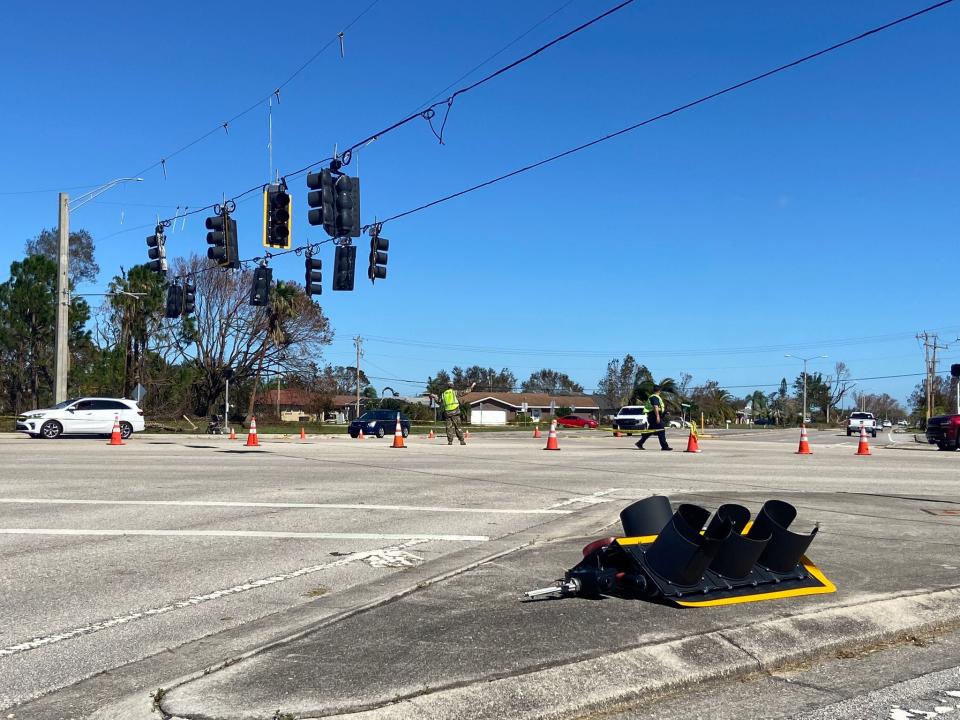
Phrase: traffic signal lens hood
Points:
(681, 553)
(785, 548)
(646, 517)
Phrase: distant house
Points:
(500, 408)
(297, 405)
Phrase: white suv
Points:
(82, 416)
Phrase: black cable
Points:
(674, 111)
(262, 100)
(421, 114)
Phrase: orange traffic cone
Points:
(431, 435)
(552, 437)
(398, 435)
(804, 448)
(115, 437)
(692, 444)
(303, 435)
(466, 434)
(617, 433)
(360, 435)
(863, 448)
(233, 434)
(536, 433)
(252, 439)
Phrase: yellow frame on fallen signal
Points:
(825, 587)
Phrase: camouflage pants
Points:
(452, 421)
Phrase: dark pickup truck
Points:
(944, 431)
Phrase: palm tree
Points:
(668, 391)
(281, 308)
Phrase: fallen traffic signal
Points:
(157, 252)
(344, 267)
(276, 217)
(313, 279)
(260, 288)
(679, 557)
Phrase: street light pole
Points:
(803, 418)
(62, 356)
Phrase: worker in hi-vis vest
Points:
(450, 405)
(656, 417)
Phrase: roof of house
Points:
(535, 400)
(301, 397)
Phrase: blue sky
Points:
(711, 242)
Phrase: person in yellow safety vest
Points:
(450, 405)
(656, 417)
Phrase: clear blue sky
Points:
(745, 223)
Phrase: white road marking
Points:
(307, 506)
(245, 534)
(592, 499)
(41, 641)
(393, 557)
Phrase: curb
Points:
(630, 676)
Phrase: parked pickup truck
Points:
(944, 432)
(630, 417)
(861, 420)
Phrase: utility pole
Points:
(931, 343)
(62, 358)
(358, 341)
(805, 361)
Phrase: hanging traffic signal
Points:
(378, 255)
(313, 280)
(276, 217)
(321, 201)
(189, 298)
(344, 267)
(347, 200)
(174, 308)
(157, 252)
(223, 237)
(260, 289)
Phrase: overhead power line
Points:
(276, 92)
(668, 113)
(430, 112)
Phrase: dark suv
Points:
(379, 423)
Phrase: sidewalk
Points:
(468, 648)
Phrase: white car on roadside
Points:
(82, 416)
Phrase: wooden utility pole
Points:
(358, 342)
(931, 343)
(62, 357)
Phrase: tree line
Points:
(184, 364)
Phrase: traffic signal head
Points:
(174, 308)
(347, 201)
(378, 258)
(157, 252)
(189, 298)
(223, 238)
(321, 201)
(260, 289)
(276, 217)
(344, 267)
(682, 559)
(313, 281)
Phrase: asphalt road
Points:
(111, 555)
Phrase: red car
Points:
(575, 421)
